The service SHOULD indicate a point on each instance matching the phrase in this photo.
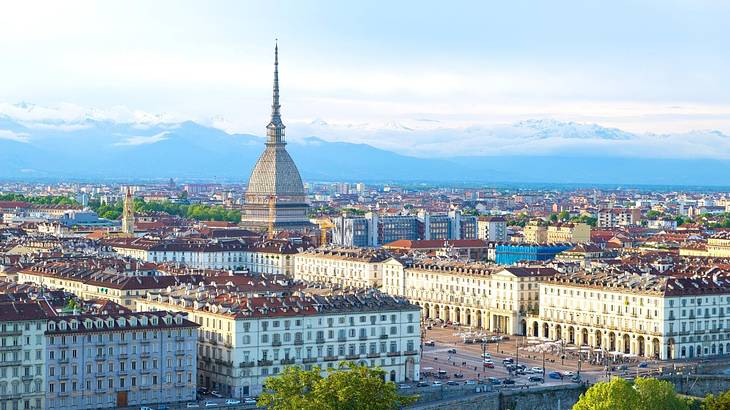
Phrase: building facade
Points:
(492, 228)
(509, 253)
(356, 267)
(245, 338)
(120, 360)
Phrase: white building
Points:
(492, 228)
(356, 267)
(246, 336)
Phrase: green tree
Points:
(349, 387)
(564, 215)
(719, 402)
(619, 394)
(658, 394)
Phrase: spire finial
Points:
(275, 129)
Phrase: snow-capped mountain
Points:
(72, 142)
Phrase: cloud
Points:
(142, 140)
(14, 136)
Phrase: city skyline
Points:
(451, 81)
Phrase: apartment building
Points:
(245, 336)
(270, 257)
(22, 348)
(89, 283)
(568, 232)
(478, 295)
(616, 313)
(372, 230)
(357, 267)
(618, 217)
(492, 228)
(119, 360)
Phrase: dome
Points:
(275, 174)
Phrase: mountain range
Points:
(107, 149)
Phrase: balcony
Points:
(342, 339)
(10, 363)
(246, 364)
(363, 337)
(100, 357)
(265, 362)
(179, 338)
(383, 336)
(319, 341)
(145, 371)
(224, 362)
(290, 360)
(179, 384)
(213, 342)
(145, 355)
(410, 352)
(145, 341)
(63, 360)
(228, 345)
(30, 378)
(276, 343)
(9, 332)
(298, 342)
(330, 358)
(352, 356)
(393, 354)
(373, 355)
(307, 360)
(180, 353)
(6, 348)
(123, 356)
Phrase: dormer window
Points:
(51, 326)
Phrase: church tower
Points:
(128, 214)
(275, 199)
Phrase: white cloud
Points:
(14, 136)
(142, 140)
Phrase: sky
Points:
(357, 70)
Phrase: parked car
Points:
(430, 343)
(555, 375)
(210, 403)
(536, 379)
(489, 365)
(404, 386)
(231, 402)
(146, 408)
(486, 355)
(536, 369)
(216, 394)
(458, 375)
(203, 390)
(422, 384)
(192, 405)
(437, 383)
(451, 351)
(470, 382)
(508, 381)
(643, 365)
(623, 367)
(249, 401)
(575, 379)
(452, 383)
(495, 380)
(568, 373)
(507, 360)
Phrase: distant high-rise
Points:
(128, 214)
(275, 197)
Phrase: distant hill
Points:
(104, 149)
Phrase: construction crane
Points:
(324, 226)
(272, 216)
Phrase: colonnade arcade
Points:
(471, 317)
(627, 343)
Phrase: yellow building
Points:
(535, 233)
(569, 233)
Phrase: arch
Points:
(720, 349)
(523, 326)
(584, 337)
(698, 351)
(641, 351)
(480, 324)
(410, 369)
(655, 347)
(558, 332)
(626, 344)
(467, 317)
(457, 315)
(714, 349)
(392, 375)
(426, 311)
(611, 342)
(598, 339)
(545, 331)
(691, 352)
(571, 335)
(535, 329)
(447, 315)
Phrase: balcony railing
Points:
(287, 361)
(265, 362)
(410, 352)
(320, 341)
(392, 354)
(247, 364)
(330, 358)
(383, 336)
(307, 360)
(373, 355)
(298, 342)
(276, 342)
(352, 356)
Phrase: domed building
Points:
(275, 194)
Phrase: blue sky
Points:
(642, 66)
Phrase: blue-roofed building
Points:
(509, 253)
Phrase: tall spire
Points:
(275, 129)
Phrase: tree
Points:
(658, 394)
(619, 394)
(616, 394)
(350, 386)
(564, 216)
(720, 402)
